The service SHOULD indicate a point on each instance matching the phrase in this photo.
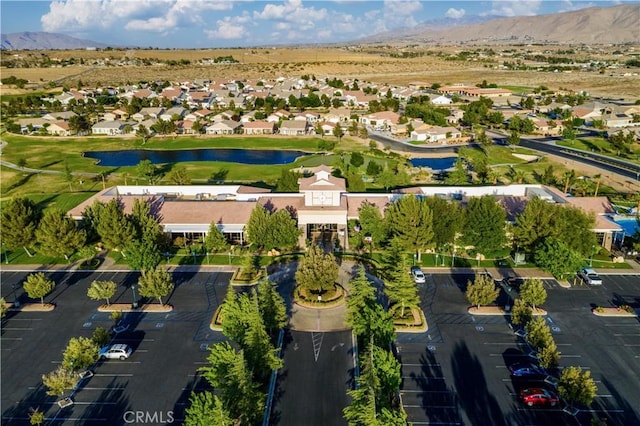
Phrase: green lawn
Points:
(602, 146)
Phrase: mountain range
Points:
(596, 25)
(44, 41)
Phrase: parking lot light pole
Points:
(134, 305)
(436, 259)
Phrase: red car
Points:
(537, 396)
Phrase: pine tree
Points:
(58, 234)
(485, 224)
(411, 221)
(258, 225)
(401, 290)
(272, 306)
(206, 409)
(215, 241)
(114, 228)
(577, 386)
(317, 271)
(18, 223)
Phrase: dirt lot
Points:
(365, 64)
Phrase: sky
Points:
(245, 23)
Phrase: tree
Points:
(521, 313)
(3, 307)
(215, 241)
(143, 133)
(38, 286)
(568, 177)
(549, 356)
(147, 170)
(401, 290)
(100, 336)
(538, 333)
(155, 283)
(283, 230)
(577, 386)
(81, 352)
(259, 351)
(58, 234)
(411, 221)
(459, 175)
(18, 223)
(58, 381)
(102, 290)
(482, 291)
(355, 183)
(317, 271)
(257, 226)
(36, 417)
(485, 224)
(288, 181)
(113, 227)
(356, 159)
(229, 373)
(372, 223)
(362, 294)
(206, 409)
(513, 138)
(448, 220)
(557, 257)
(68, 175)
(142, 255)
(533, 292)
(271, 305)
(179, 176)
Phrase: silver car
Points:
(418, 275)
(589, 276)
(118, 351)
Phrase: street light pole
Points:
(134, 305)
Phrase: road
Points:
(548, 145)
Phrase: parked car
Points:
(522, 369)
(535, 397)
(418, 275)
(118, 351)
(589, 276)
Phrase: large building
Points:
(322, 207)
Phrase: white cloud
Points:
(515, 7)
(455, 13)
(146, 15)
(398, 14)
(227, 29)
(569, 5)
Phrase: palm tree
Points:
(568, 177)
(143, 133)
(597, 178)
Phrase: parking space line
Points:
(94, 403)
(423, 391)
(429, 406)
(112, 375)
(604, 396)
(421, 365)
(17, 328)
(428, 378)
(99, 389)
(570, 356)
(11, 338)
(617, 334)
(628, 345)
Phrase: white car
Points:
(117, 351)
(418, 275)
(589, 276)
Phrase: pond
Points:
(443, 163)
(244, 156)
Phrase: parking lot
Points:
(150, 387)
(457, 372)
